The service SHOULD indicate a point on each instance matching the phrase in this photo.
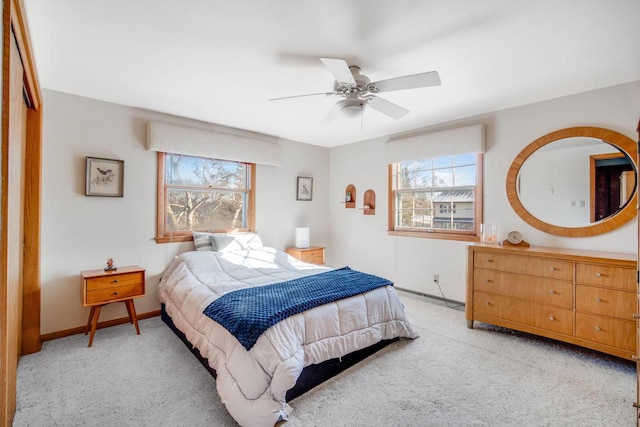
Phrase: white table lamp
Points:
(302, 237)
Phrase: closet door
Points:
(21, 164)
(14, 227)
(637, 315)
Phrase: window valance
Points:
(177, 139)
(467, 139)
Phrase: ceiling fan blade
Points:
(340, 70)
(412, 81)
(387, 107)
(331, 115)
(301, 96)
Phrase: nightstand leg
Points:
(132, 314)
(91, 313)
(94, 323)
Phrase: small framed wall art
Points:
(105, 177)
(305, 188)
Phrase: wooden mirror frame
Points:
(621, 142)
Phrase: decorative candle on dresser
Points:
(585, 298)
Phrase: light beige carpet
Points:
(450, 376)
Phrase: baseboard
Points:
(105, 324)
(435, 299)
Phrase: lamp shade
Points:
(302, 237)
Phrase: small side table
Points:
(100, 287)
(312, 254)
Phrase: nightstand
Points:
(312, 254)
(100, 287)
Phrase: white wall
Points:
(80, 233)
(363, 243)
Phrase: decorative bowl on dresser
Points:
(586, 298)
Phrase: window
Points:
(198, 193)
(437, 197)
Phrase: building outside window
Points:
(437, 195)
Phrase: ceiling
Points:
(220, 61)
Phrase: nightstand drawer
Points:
(115, 293)
(105, 282)
(315, 255)
(312, 254)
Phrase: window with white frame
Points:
(436, 196)
(199, 193)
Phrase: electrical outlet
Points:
(436, 278)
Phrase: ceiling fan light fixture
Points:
(351, 107)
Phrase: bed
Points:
(253, 379)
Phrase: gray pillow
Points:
(202, 242)
(224, 242)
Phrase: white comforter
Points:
(252, 384)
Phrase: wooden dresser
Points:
(581, 297)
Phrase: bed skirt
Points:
(311, 375)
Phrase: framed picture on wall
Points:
(105, 177)
(305, 188)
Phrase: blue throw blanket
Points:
(248, 312)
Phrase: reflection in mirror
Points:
(575, 181)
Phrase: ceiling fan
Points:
(358, 91)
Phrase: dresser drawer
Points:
(606, 330)
(608, 302)
(559, 270)
(113, 293)
(608, 276)
(553, 292)
(536, 289)
(490, 261)
(553, 319)
(516, 310)
(486, 280)
(548, 268)
(484, 302)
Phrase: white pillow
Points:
(224, 242)
(202, 241)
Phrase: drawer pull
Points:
(115, 293)
(115, 281)
(598, 274)
(489, 281)
(598, 329)
(487, 303)
(598, 300)
(490, 260)
(552, 268)
(552, 292)
(551, 318)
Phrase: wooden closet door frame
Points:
(637, 313)
(14, 25)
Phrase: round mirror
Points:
(575, 182)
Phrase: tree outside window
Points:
(437, 195)
(203, 194)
